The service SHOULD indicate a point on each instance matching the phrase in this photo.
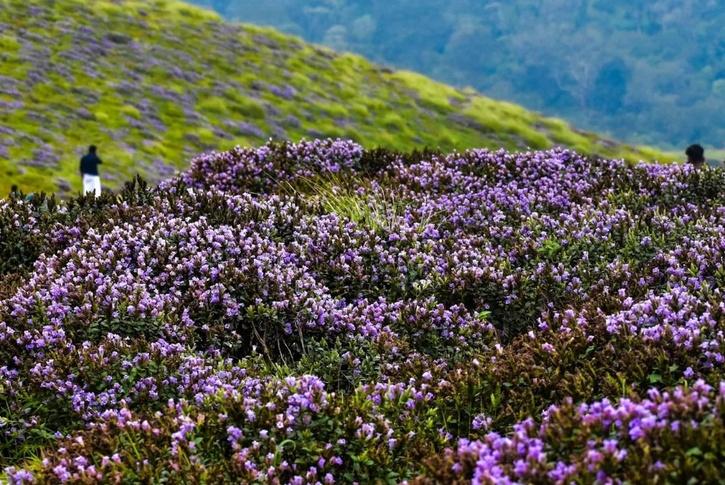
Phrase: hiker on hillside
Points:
(89, 172)
(14, 192)
(695, 155)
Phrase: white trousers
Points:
(91, 183)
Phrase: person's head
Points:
(92, 149)
(695, 154)
(14, 188)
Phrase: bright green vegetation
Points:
(153, 83)
(716, 155)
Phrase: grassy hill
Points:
(155, 82)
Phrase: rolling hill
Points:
(153, 83)
(645, 71)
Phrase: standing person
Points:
(89, 172)
(695, 155)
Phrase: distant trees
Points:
(610, 87)
(221, 5)
(650, 71)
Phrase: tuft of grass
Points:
(245, 106)
(213, 105)
(336, 194)
(430, 93)
(9, 43)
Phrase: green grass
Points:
(337, 195)
(172, 80)
(716, 154)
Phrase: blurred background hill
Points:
(645, 71)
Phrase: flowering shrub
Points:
(318, 313)
(673, 435)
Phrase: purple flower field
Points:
(322, 313)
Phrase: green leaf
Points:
(484, 314)
(694, 451)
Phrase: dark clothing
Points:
(89, 164)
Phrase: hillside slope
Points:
(646, 71)
(155, 82)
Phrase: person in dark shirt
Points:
(695, 155)
(89, 172)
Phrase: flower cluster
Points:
(318, 313)
(599, 441)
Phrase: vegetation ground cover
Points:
(153, 83)
(322, 313)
